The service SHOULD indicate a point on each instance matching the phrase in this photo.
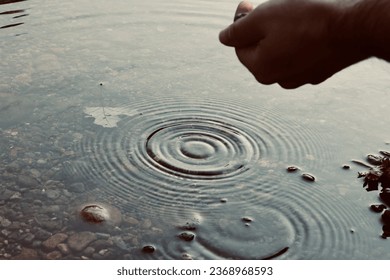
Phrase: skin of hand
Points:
(293, 42)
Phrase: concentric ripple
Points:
(201, 149)
(224, 161)
(190, 153)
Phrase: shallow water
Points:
(138, 108)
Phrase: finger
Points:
(243, 31)
(243, 9)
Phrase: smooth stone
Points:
(52, 242)
(64, 248)
(79, 241)
(186, 236)
(77, 187)
(27, 181)
(308, 177)
(27, 254)
(54, 255)
(148, 249)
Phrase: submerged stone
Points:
(94, 214)
(100, 214)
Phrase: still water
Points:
(135, 110)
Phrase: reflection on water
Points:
(128, 132)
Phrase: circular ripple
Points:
(189, 153)
(201, 149)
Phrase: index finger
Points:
(244, 31)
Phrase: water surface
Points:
(136, 106)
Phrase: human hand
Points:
(292, 42)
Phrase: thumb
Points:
(240, 33)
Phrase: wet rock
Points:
(77, 188)
(101, 244)
(64, 248)
(131, 220)
(148, 249)
(223, 200)
(27, 181)
(52, 242)
(29, 238)
(89, 251)
(345, 166)
(292, 169)
(146, 224)
(94, 214)
(27, 254)
(247, 219)
(42, 234)
(54, 255)
(53, 193)
(4, 222)
(16, 196)
(308, 177)
(6, 194)
(378, 208)
(186, 236)
(100, 214)
(79, 241)
(186, 256)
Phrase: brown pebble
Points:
(186, 236)
(292, 168)
(148, 249)
(247, 219)
(308, 177)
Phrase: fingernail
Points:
(238, 16)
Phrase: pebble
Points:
(27, 181)
(186, 236)
(52, 242)
(54, 255)
(308, 177)
(79, 241)
(64, 249)
(292, 168)
(247, 219)
(27, 254)
(77, 187)
(148, 249)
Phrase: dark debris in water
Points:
(292, 169)
(148, 249)
(187, 236)
(308, 177)
(378, 176)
